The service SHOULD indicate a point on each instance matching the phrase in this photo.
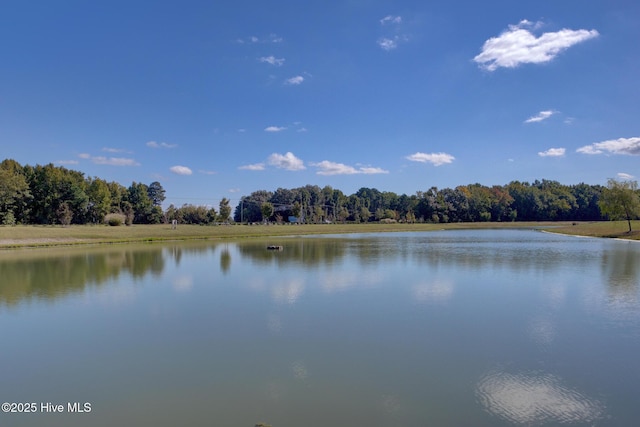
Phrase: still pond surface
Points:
(450, 328)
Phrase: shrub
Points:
(8, 219)
(114, 219)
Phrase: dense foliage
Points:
(517, 201)
(55, 195)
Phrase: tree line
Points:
(517, 201)
(56, 195)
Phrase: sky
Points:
(222, 98)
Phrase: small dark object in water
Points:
(274, 248)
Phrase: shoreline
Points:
(37, 236)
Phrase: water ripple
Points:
(536, 398)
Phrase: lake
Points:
(459, 328)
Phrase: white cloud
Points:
(67, 162)
(84, 155)
(114, 150)
(271, 38)
(287, 161)
(294, 80)
(588, 149)
(437, 159)
(205, 172)
(272, 60)
(254, 167)
(154, 144)
(518, 45)
(274, 38)
(625, 176)
(393, 35)
(274, 129)
(552, 152)
(628, 146)
(542, 115)
(326, 167)
(387, 43)
(114, 161)
(181, 170)
(390, 19)
(367, 170)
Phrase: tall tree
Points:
(225, 210)
(118, 195)
(99, 200)
(620, 200)
(14, 193)
(156, 193)
(140, 202)
(267, 210)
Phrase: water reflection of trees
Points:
(474, 254)
(58, 272)
(428, 251)
(225, 260)
(308, 252)
(621, 267)
(177, 250)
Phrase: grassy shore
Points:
(609, 229)
(32, 236)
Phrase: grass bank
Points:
(39, 236)
(609, 229)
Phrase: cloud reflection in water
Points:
(535, 398)
(288, 291)
(437, 291)
(183, 283)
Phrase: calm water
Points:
(451, 328)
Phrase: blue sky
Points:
(219, 99)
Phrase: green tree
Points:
(212, 215)
(191, 214)
(249, 207)
(118, 195)
(129, 213)
(296, 209)
(620, 200)
(64, 213)
(363, 215)
(267, 210)
(99, 200)
(224, 209)
(14, 193)
(51, 186)
(156, 193)
(142, 205)
(170, 213)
